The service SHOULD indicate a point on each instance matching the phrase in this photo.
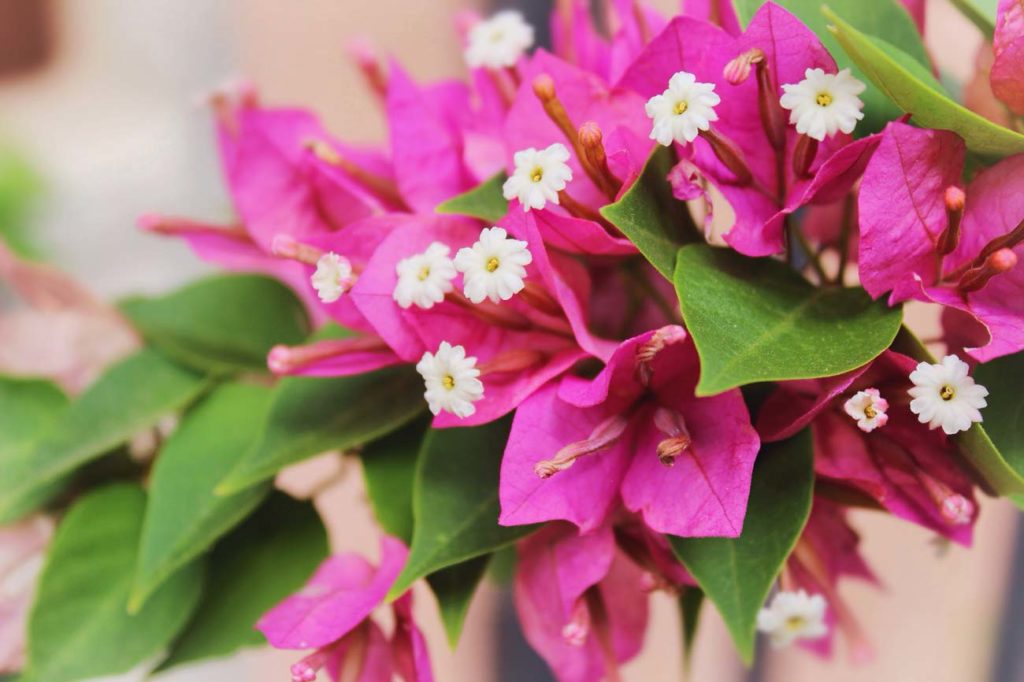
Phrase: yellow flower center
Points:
(537, 175)
(448, 381)
(492, 264)
(947, 392)
(794, 623)
(869, 412)
(424, 273)
(681, 108)
(823, 99)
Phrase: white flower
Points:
(451, 380)
(824, 103)
(792, 616)
(333, 277)
(868, 408)
(425, 278)
(539, 176)
(682, 111)
(499, 41)
(494, 267)
(943, 395)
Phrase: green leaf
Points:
(29, 409)
(1004, 416)
(737, 573)
(455, 501)
(222, 324)
(988, 461)
(260, 563)
(757, 320)
(690, 604)
(485, 201)
(311, 415)
(886, 19)
(454, 588)
(914, 90)
(79, 627)
(650, 217)
(981, 13)
(184, 516)
(389, 468)
(133, 395)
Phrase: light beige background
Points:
(114, 127)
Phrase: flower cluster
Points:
(538, 253)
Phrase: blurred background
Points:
(101, 120)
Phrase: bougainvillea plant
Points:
(627, 312)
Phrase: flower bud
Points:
(950, 237)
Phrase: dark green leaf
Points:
(886, 19)
(690, 604)
(184, 516)
(132, 396)
(999, 475)
(737, 573)
(222, 324)
(454, 588)
(260, 563)
(389, 468)
(650, 217)
(80, 627)
(915, 91)
(484, 201)
(757, 320)
(455, 500)
(1004, 416)
(311, 415)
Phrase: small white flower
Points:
(824, 103)
(494, 267)
(425, 278)
(499, 41)
(792, 616)
(682, 111)
(868, 408)
(451, 380)
(333, 277)
(943, 395)
(539, 176)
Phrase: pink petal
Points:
(408, 645)
(374, 658)
(902, 210)
(1007, 75)
(341, 594)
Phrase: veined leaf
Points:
(757, 320)
(132, 396)
(737, 573)
(454, 588)
(222, 324)
(455, 501)
(184, 516)
(914, 91)
(79, 627)
(311, 415)
(260, 563)
(485, 201)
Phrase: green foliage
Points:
(982, 14)
(311, 415)
(389, 469)
(915, 91)
(737, 573)
(887, 19)
(222, 324)
(20, 187)
(454, 588)
(757, 320)
(455, 500)
(690, 604)
(485, 201)
(1004, 416)
(80, 627)
(184, 516)
(650, 217)
(132, 396)
(260, 563)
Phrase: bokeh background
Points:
(101, 119)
